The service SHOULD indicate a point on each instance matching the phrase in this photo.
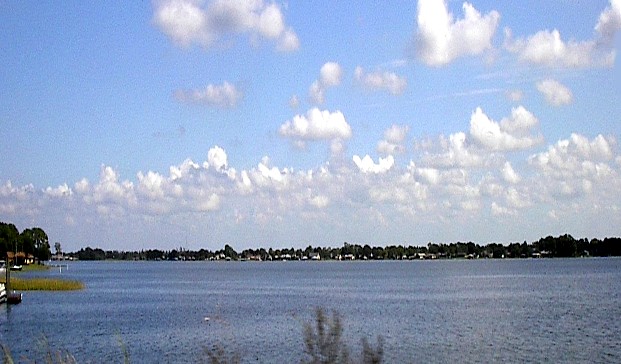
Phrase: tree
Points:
(8, 238)
(57, 248)
(230, 252)
(41, 244)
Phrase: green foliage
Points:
(323, 341)
(8, 238)
(30, 241)
(89, 253)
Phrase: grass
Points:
(35, 268)
(45, 284)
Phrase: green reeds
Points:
(45, 284)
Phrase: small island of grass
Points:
(45, 284)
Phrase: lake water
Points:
(533, 310)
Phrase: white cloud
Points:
(499, 210)
(110, 189)
(555, 93)
(452, 183)
(609, 22)
(186, 168)
(515, 95)
(294, 102)
(151, 184)
(329, 76)
(60, 191)
(393, 140)
(224, 96)
(388, 81)
(509, 134)
(509, 174)
(575, 157)
(441, 39)
(288, 42)
(317, 93)
(455, 152)
(217, 158)
(189, 22)
(366, 164)
(184, 21)
(547, 48)
(429, 175)
(317, 125)
(319, 201)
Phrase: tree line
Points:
(32, 242)
(561, 246)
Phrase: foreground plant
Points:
(324, 342)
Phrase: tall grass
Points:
(45, 284)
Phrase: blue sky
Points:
(254, 123)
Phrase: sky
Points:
(193, 124)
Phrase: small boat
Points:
(16, 267)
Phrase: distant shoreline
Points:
(564, 246)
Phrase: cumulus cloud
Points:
(393, 140)
(189, 22)
(454, 152)
(294, 102)
(555, 93)
(217, 158)
(547, 48)
(60, 191)
(440, 38)
(317, 125)
(515, 95)
(329, 76)
(367, 165)
(609, 22)
(576, 156)
(509, 174)
(388, 81)
(452, 183)
(510, 134)
(224, 96)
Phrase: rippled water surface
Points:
(546, 310)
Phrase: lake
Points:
(531, 310)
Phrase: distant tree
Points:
(89, 253)
(230, 252)
(566, 246)
(367, 251)
(57, 248)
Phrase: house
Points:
(20, 258)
